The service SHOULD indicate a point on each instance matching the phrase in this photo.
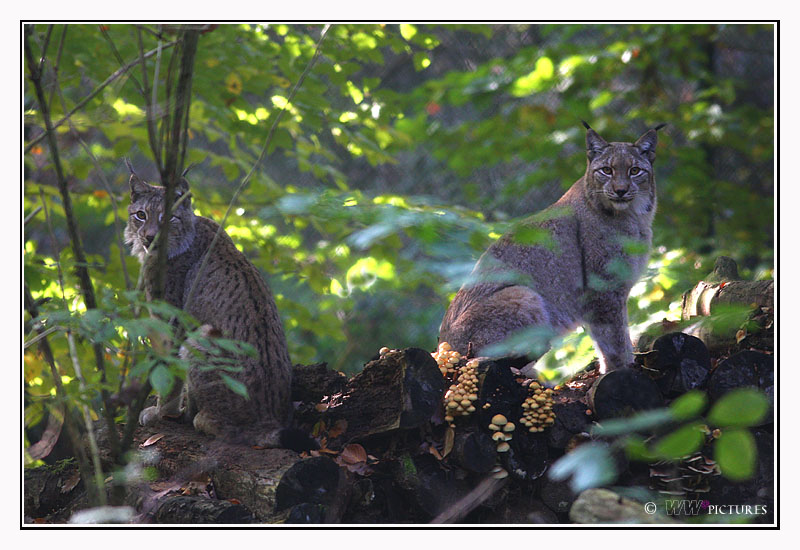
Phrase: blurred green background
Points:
(405, 153)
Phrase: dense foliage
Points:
(405, 152)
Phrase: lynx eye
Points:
(141, 215)
(635, 170)
(606, 170)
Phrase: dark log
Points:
(311, 383)
(722, 286)
(571, 419)
(722, 340)
(557, 495)
(527, 457)
(315, 480)
(519, 507)
(307, 513)
(705, 297)
(644, 342)
(198, 510)
(678, 363)
(431, 489)
(51, 488)
(483, 492)
(247, 474)
(474, 450)
(399, 390)
(745, 369)
(623, 392)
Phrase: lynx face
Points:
(619, 177)
(145, 214)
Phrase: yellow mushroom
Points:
(499, 420)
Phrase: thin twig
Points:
(44, 47)
(30, 216)
(154, 102)
(118, 73)
(56, 66)
(87, 420)
(39, 336)
(118, 57)
(260, 158)
(106, 184)
(172, 170)
(472, 500)
(148, 105)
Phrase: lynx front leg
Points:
(609, 331)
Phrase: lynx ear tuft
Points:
(594, 143)
(138, 187)
(129, 165)
(585, 125)
(659, 126)
(647, 143)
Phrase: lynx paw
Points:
(149, 416)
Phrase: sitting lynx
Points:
(232, 300)
(585, 277)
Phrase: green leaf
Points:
(536, 80)
(735, 452)
(235, 386)
(162, 379)
(601, 99)
(689, 405)
(408, 31)
(636, 448)
(739, 408)
(683, 441)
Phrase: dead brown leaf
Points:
(354, 454)
(152, 439)
(71, 482)
(449, 439)
(338, 428)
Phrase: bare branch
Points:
(148, 104)
(260, 158)
(78, 106)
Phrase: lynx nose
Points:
(620, 192)
(148, 239)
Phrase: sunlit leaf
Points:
(739, 407)
(679, 443)
(736, 454)
(689, 405)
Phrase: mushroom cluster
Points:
(538, 408)
(460, 397)
(447, 358)
(503, 432)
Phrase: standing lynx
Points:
(600, 232)
(231, 300)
